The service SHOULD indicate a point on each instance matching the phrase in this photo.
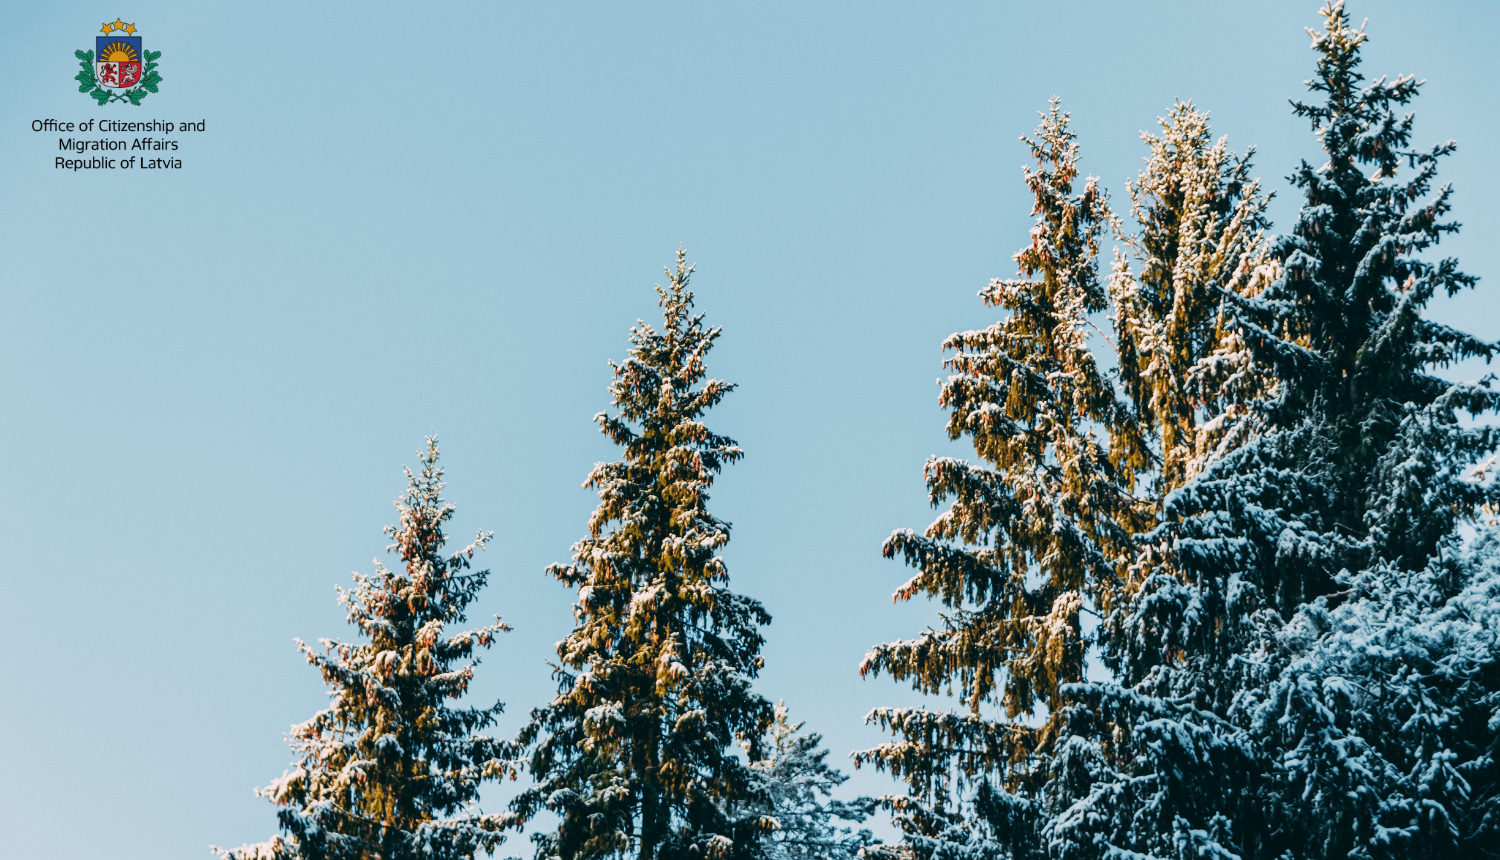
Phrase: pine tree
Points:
(1187, 379)
(390, 769)
(634, 754)
(1190, 376)
(797, 784)
(1037, 534)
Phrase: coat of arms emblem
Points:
(118, 69)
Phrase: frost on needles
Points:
(391, 769)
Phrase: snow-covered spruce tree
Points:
(1202, 220)
(1037, 532)
(796, 784)
(1192, 384)
(635, 753)
(391, 769)
(1383, 758)
(1384, 724)
(1309, 671)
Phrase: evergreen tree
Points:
(1192, 383)
(1188, 379)
(1184, 367)
(1036, 534)
(797, 785)
(1305, 642)
(390, 769)
(1379, 756)
(1308, 666)
(634, 754)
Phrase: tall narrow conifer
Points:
(635, 753)
(1037, 532)
(1361, 456)
(391, 770)
(1194, 387)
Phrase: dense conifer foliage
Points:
(1246, 723)
(635, 754)
(391, 769)
(1185, 369)
(1036, 532)
(1302, 631)
(1221, 579)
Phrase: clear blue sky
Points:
(408, 218)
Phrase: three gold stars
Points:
(117, 25)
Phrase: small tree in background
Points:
(797, 784)
(635, 754)
(391, 770)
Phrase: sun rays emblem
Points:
(118, 69)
